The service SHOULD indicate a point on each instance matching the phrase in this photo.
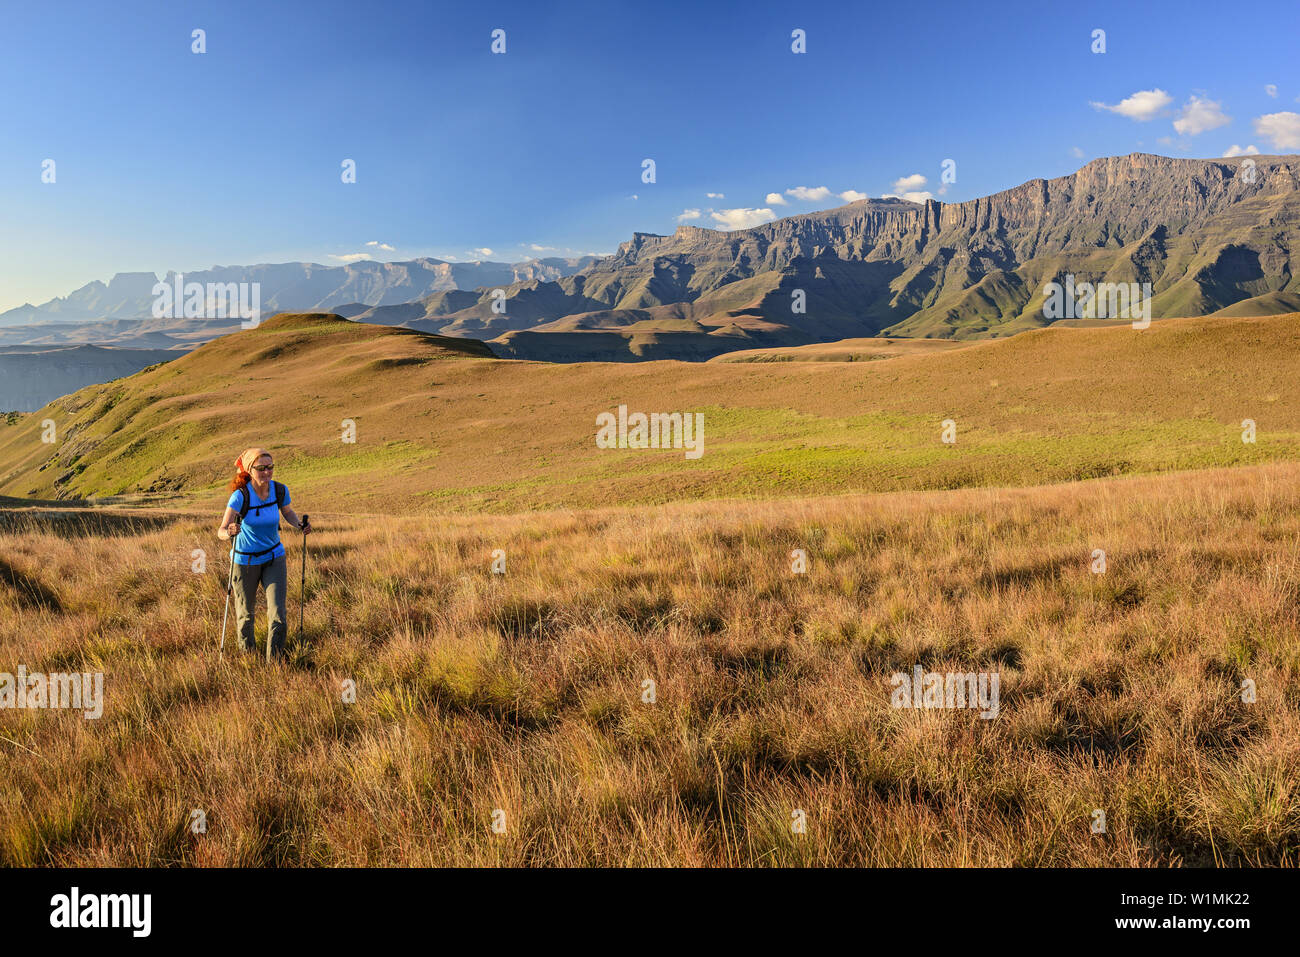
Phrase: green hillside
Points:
(443, 426)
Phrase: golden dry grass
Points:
(475, 693)
(847, 350)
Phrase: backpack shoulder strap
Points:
(279, 495)
(243, 509)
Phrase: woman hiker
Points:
(253, 517)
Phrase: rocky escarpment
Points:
(1207, 235)
(1117, 200)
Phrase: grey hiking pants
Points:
(274, 577)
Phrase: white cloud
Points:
(1271, 90)
(814, 194)
(350, 257)
(743, 218)
(909, 188)
(383, 246)
(634, 196)
(1235, 150)
(911, 197)
(1282, 128)
(715, 196)
(1141, 106)
(1076, 152)
(809, 194)
(483, 252)
(686, 214)
(541, 249)
(1198, 115)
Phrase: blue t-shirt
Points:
(259, 535)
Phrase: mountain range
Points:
(286, 286)
(1211, 236)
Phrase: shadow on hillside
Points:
(79, 522)
(29, 591)
(1042, 572)
(315, 550)
(301, 652)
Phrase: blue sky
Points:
(167, 159)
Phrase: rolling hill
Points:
(441, 425)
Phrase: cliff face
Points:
(1127, 195)
(1207, 234)
(865, 229)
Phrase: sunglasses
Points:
(263, 468)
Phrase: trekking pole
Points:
(302, 590)
(230, 586)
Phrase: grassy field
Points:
(523, 693)
(847, 350)
(441, 428)
(521, 696)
